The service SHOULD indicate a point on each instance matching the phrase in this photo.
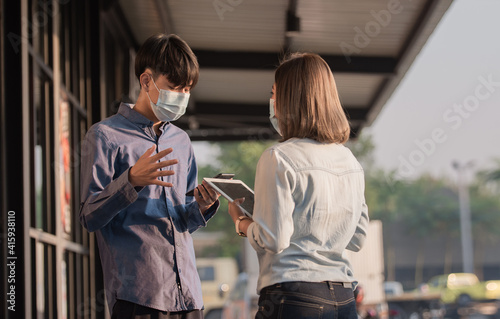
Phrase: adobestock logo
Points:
(453, 118)
(222, 6)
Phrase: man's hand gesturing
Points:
(147, 168)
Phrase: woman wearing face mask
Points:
(309, 199)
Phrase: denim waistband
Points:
(289, 284)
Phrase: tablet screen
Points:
(233, 189)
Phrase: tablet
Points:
(220, 175)
(233, 189)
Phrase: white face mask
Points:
(272, 117)
(170, 105)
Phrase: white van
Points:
(217, 276)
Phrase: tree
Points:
(363, 148)
(494, 174)
(428, 208)
(485, 219)
(491, 177)
(381, 188)
(381, 192)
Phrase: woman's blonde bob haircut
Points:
(307, 102)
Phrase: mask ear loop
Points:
(154, 83)
(149, 97)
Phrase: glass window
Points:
(42, 102)
(55, 160)
(206, 273)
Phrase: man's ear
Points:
(144, 80)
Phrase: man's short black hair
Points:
(168, 55)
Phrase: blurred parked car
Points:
(462, 288)
(393, 288)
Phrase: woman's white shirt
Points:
(309, 208)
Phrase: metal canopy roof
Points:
(369, 44)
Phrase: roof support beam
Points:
(270, 60)
(235, 134)
(257, 110)
(241, 134)
(216, 108)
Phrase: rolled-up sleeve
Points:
(273, 220)
(102, 196)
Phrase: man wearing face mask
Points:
(136, 168)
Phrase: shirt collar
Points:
(127, 111)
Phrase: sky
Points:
(447, 107)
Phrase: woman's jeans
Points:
(289, 300)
